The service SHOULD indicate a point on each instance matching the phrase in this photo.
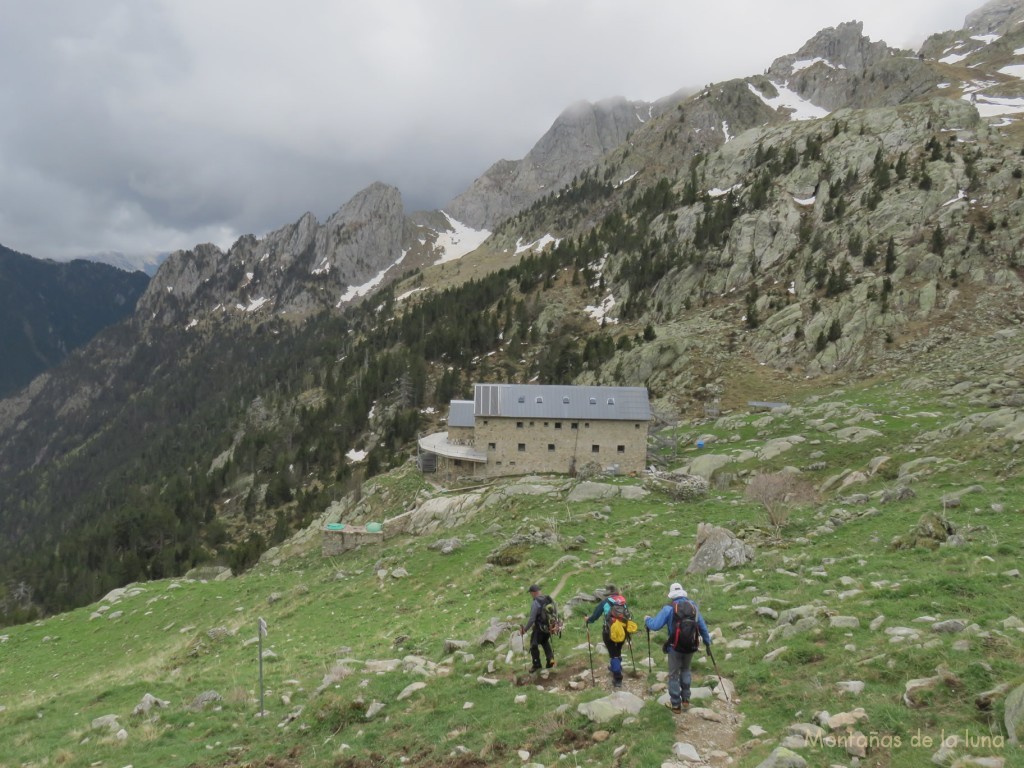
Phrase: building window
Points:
(638, 426)
(593, 401)
(595, 449)
(565, 401)
(621, 449)
(522, 398)
(531, 423)
(486, 421)
(545, 423)
(575, 425)
(492, 446)
(519, 425)
(558, 425)
(586, 425)
(522, 447)
(611, 401)
(540, 400)
(551, 447)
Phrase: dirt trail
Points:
(561, 582)
(711, 726)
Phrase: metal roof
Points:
(460, 413)
(557, 401)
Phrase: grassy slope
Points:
(58, 675)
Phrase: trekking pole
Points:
(629, 642)
(590, 653)
(720, 680)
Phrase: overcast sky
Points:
(143, 127)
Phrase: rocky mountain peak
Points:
(842, 67)
(842, 47)
(997, 17)
(301, 268)
(579, 137)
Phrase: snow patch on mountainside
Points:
(458, 241)
(537, 245)
(801, 108)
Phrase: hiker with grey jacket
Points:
(540, 636)
(686, 628)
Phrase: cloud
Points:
(145, 127)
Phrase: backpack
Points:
(683, 632)
(549, 621)
(618, 619)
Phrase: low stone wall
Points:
(350, 537)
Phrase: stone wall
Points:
(523, 446)
(335, 543)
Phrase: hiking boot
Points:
(551, 664)
(686, 703)
(616, 683)
(534, 670)
(676, 709)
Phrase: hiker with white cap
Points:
(686, 628)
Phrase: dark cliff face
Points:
(48, 309)
(297, 270)
(577, 140)
(996, 17)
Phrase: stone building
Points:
(516, 429)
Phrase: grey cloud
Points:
(144, 127)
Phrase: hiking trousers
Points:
(615, 656)
(538, 640)
(679, 676)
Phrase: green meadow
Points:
(328, 617)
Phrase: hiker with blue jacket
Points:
(603, 611)
(540, 637)
(685, 623)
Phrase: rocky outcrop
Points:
(717, 549)
(299, 269)
(996, 17)
(932, 531)
(577, 140)
(841, 67)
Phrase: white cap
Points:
(676, 591)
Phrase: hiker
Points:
(540, 636)
(613, 601)
(684, 622)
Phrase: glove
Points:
(586, 622)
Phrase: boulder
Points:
(204, 699)
(495, 630)
(608, 708)
(410, 689)
(148, 702)
(1013, 717)
(717, 549)
(783, 758)
(209, 573)
(931, 531)
(707, 464)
